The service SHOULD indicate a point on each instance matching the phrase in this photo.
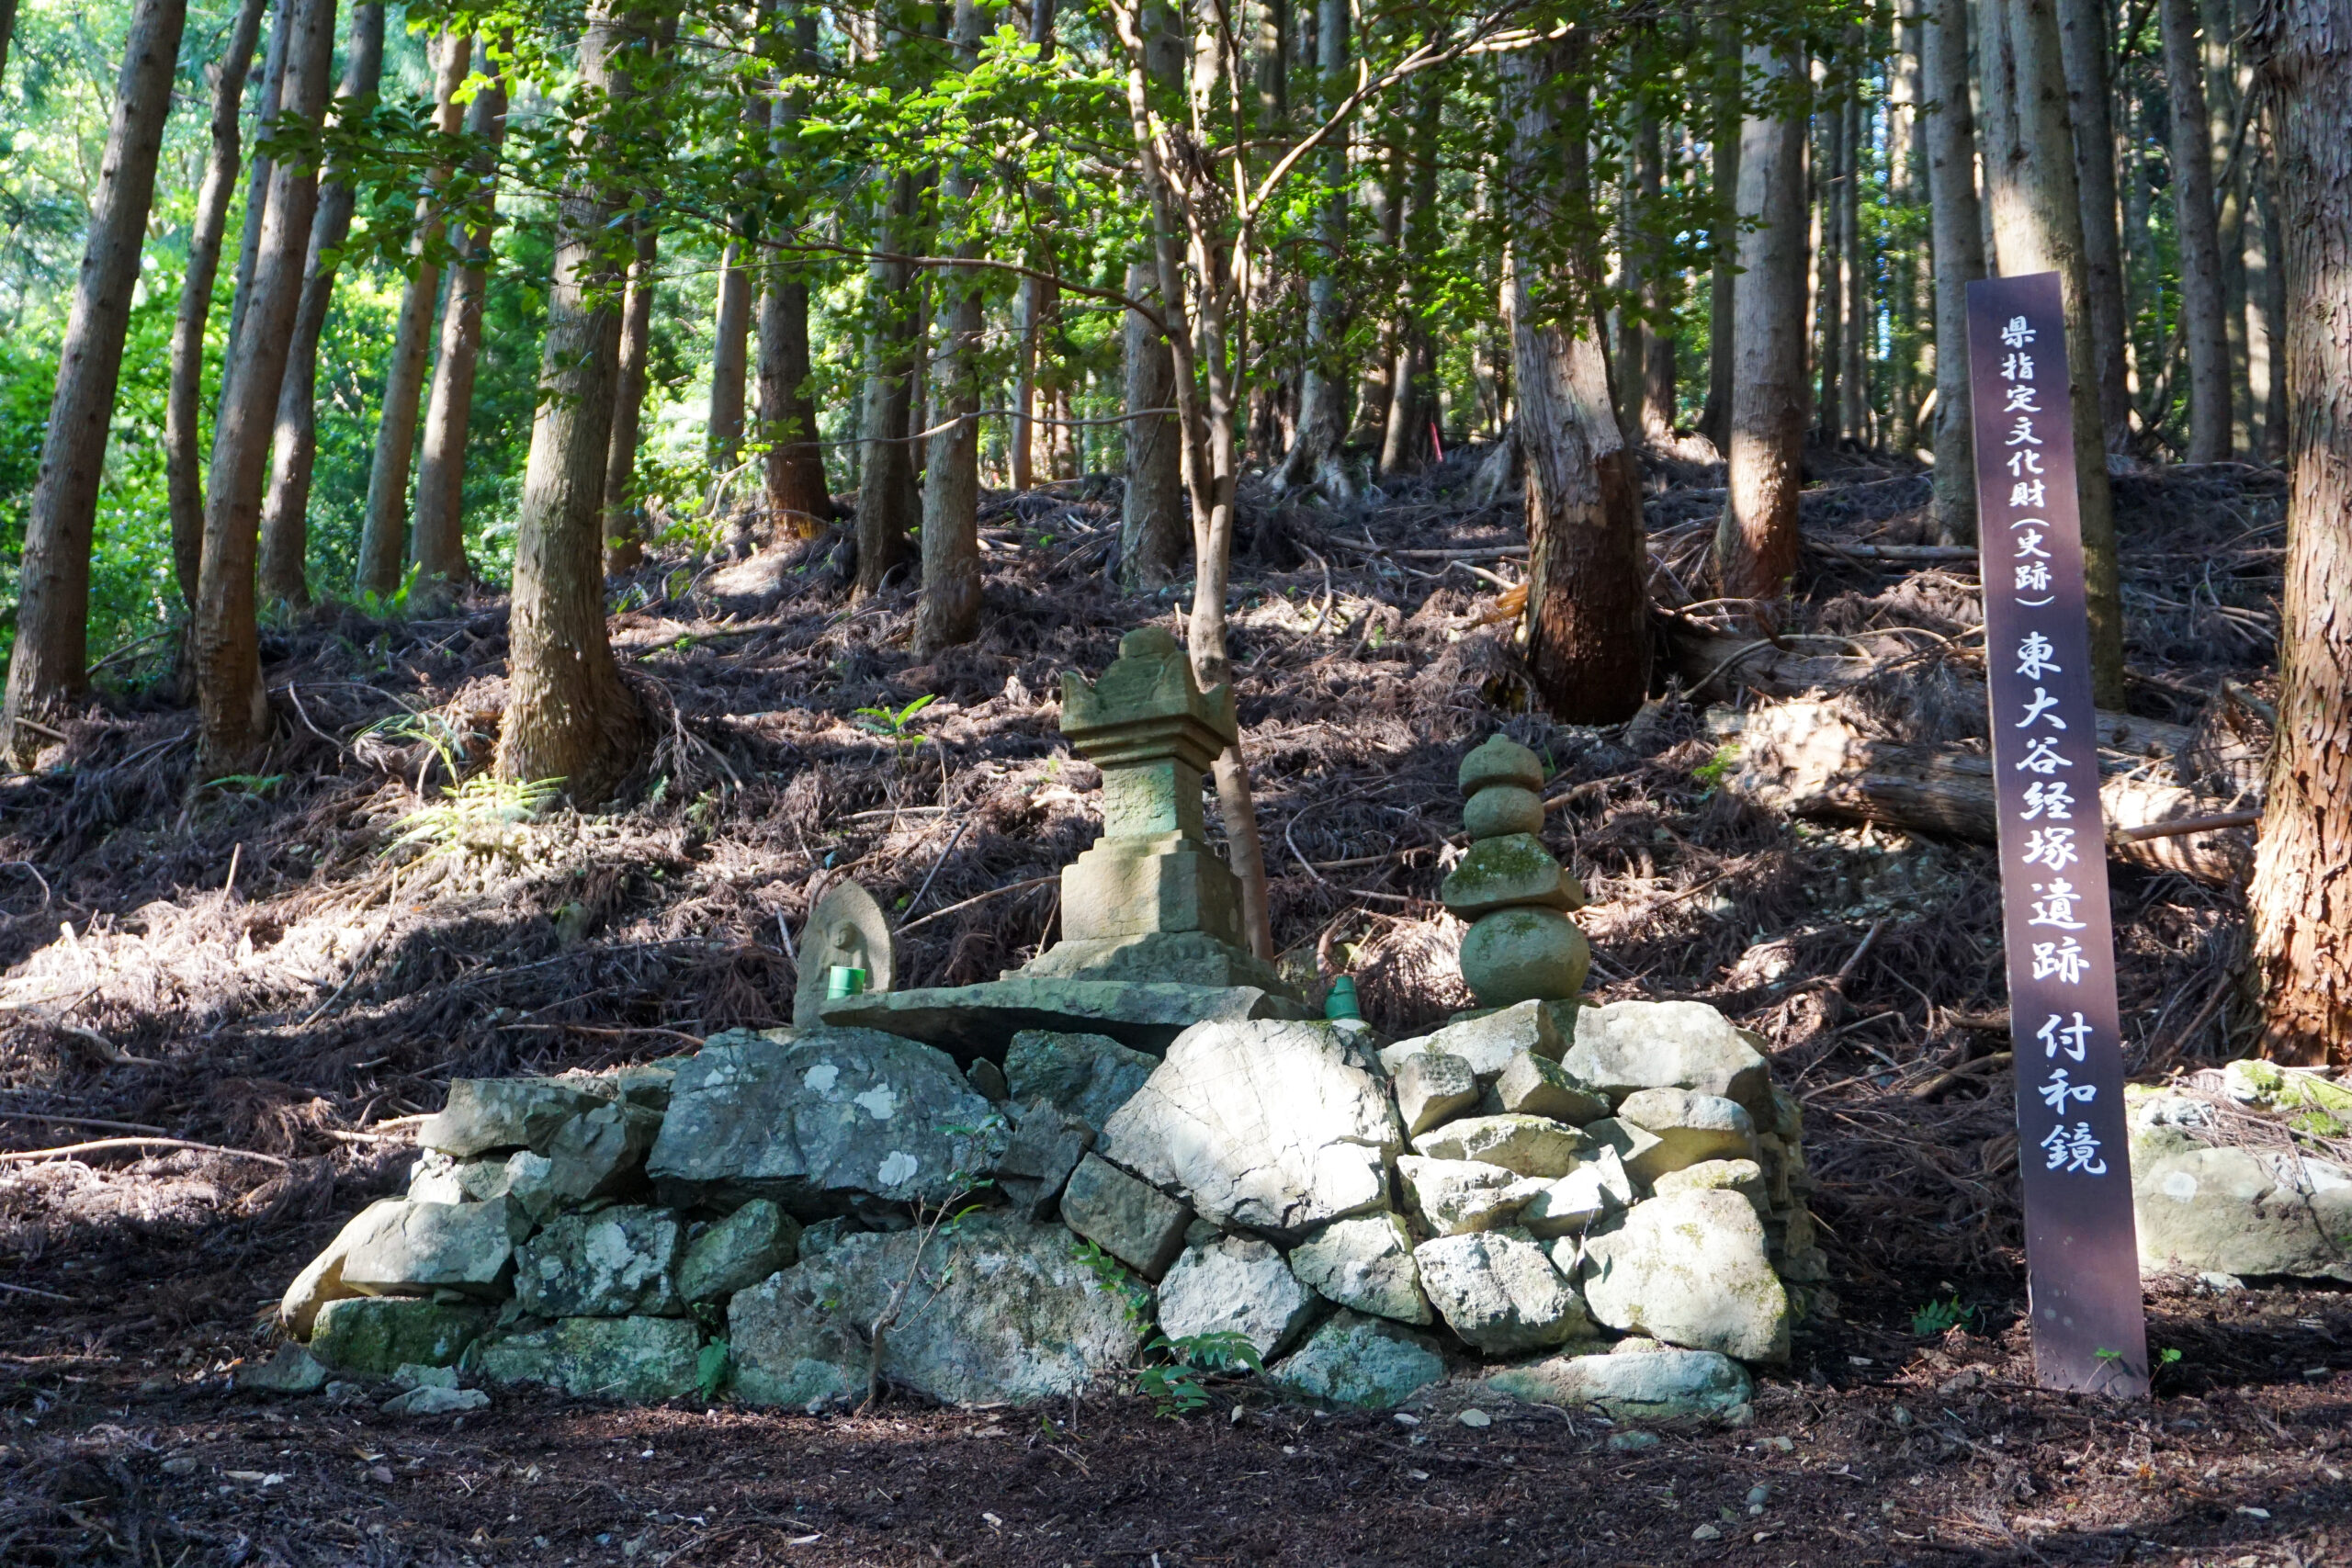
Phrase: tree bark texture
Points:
(1655, 373)
(730, 355)
(2301, 897)
(2265, 326)
(569, 715)
(1723, 240)
(1314, 456)
(2082, 31)
(1853, 270)
(1587, 599)
(183, 416)
(622, 528)
(383, 524)
(1830, 274)
(1405, 445)
(233, 707)
(1956, 227)
(1755, 543)
(257, 176)
(1033, 301)
(1152, 534)
(294, 444)
(795, 468)
(949, 609)
(888, 503)
(2201, 312)
(438, 540)
(50, 666)
(2038, 223)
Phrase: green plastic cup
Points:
(843, 980)
(1341, 1000)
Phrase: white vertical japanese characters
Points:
(2089, 1330)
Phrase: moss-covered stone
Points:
(1501, 874)
(634, 1360)
(1502, 809)
(738, 1252)
(1517, 955)
(1500, 761)
(377, 1335)
(1363, 1363)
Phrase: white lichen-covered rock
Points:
(1628, 1046)
(1456, 1197)
(1236, 1285)
(1490, 1041)
(483, 1114)
(1365, 1263)
(627, 1359)
(617, 1262)
(1525, 1145)
(1690, 1270)
(1500, 1292)
(1638, 1385)
(2238, 1211)
(1016, 1317)
(404, 1248)
(1266, 1126)
(523, 1176)
(1361, 1363)
(1689, 1126)
(823, 1122)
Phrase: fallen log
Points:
(1808, 758)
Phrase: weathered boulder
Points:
(1596, 1186)
(1505, 872)
(320, 1279)
(1525, 1145)
(1640, 1385)
(1431, 1086)
(1499, 1291)
(600, 1153)
(1630, 1144)
(1363, 1363)
(1537, 1086)
(413, 1248)
(377, 1335)
(829, 1122)
(1490, 1040)
(1046, 1145)
(1365, 1263)
(1689, 1127)
(1690, 1270)
(1271, 1126)
(1016, 1317)
(738, 1252)
(523, 1176)
(630, 1359)
(291, 1369)
(481, 1114)
(619, 1262)
(1744, 1176)
(1236, 1285)
(1524, 953)
(1131, 1220)
(1088, 1076)
(1628, 1046)
(1454, 1197)
(2239, 1211)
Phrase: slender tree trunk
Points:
(1032, 301)
(1152, 534)
(439, 540)
(1404, 445)
(1377, 381)
(2202, 319)
(1853, 289)
(1956, 234)
(569, 715)
(794, 469)
(949, 610)
(1587, 599)
(1314, 455)
(50, 666)
(2082, 29)
(2037, 216)
(294, 445)
(2221, 103)
(1655, 370)
(2300, 899)
(257, 178)
(381, 546)
(183, 418)
(8, 28)
(730, 355)
(888, 503)
(1755, 544)
(2266, 327)
(233, 707)
(1722, 238)
(622, 528)
(1906, 190)
(1828, 294)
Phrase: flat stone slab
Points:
(637, 1360)
(969, 1022)
(1638, 1385)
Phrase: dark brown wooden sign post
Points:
(2082, 1254)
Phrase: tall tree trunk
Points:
(381, 546)
(1722, 236)
(1828, 293)
(1404, 445)
(50, 666)
(2202, 321)
(1314, 455)
(730, 355)
(1755, 543)
(1956, 234)
(622, 523)
(2266, 327)
(569, 715)
(439, 539)
(294, 445)
(794, 469)
(183, 418)
(1152, 534)
(8, 28)
(1376, 379)
(2221, 103)
(2082, 29)
(949, 610)
(888, 503)
(2038, 221)
(257, 177)
(1906, 190)
(1655, 373)
(1587, 599)
(2300, 899)
(233, 707)
(1853, 287)
(1033, 301)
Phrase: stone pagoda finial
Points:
(1521, 947)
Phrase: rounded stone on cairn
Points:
(1502, 809)
(1500, 761)
(1524, 954)
(1498, 873)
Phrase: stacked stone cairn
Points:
(1598, 1209)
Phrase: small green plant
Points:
(894, 725)
(261, 787)
(483, 816)
(393, 605)
(1135, 1298)
(1178, 1386)
(1717, 768)
(1936, 1318)
(711, 1368)
(2168, 1357)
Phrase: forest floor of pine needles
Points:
(251, 965)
